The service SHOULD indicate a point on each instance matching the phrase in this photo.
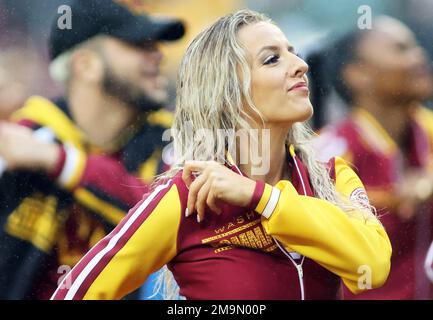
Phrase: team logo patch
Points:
(359, 195)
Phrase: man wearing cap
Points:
(74, 166)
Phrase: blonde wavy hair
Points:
(213, 92)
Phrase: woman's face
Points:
(394, 66)
(279, 85)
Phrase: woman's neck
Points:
(392, 116)
(267, 159)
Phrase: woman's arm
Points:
(346, 245)
(142, 243)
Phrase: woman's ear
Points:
(87, 66)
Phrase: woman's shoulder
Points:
(169, 182)
(340, 169)
(347, 182)
(166, 193)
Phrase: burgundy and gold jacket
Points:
(286, 245)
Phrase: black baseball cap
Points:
(94, 17)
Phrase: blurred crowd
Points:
(82, 116)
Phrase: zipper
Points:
(301, 279)
(297, 266)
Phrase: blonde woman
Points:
(293, 231)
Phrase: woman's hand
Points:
(214, 183)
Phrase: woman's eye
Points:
(272, 59)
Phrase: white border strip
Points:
(300, 176)
(428, 263)
(3, 165)
(94, 262)
(71, 162)
(272, 203)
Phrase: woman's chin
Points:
(304, 114)
(292, 115)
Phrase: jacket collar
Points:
(299, 172)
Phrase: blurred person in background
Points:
(75, 165)
(17, 77)
(384, 77)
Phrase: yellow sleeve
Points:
(340, 242)
(141, 244)
(424, 117)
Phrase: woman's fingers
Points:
(201, 200)
(199, 176)
(211, 202)
(191, 169)
(194, 189)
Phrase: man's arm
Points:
(99, 182)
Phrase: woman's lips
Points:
(299, 86)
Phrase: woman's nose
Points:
(300, 67)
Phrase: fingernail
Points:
(186, 212)
(198, 218)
